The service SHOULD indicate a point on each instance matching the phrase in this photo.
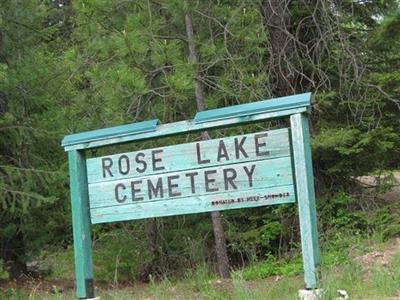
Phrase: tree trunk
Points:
(3, 103)
(281, 46)
(3, 96)
(219, 235)
(220, 245)
(150, 267)
(152, 236)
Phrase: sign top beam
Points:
(247, 109)
(111, 132)
(214, 118)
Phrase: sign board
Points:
(250, 170)
(233, 172)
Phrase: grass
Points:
(382, 283)
(339, 271)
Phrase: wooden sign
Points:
(250, 170)
(234, 172)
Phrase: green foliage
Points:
(391, 231)
(271, 266)
(32, 175)
(349, 151)
(118, 257)
(3, 273)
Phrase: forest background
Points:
(70, 66)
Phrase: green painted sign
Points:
(251, 170)
(234, 172)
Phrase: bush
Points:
(271, 266)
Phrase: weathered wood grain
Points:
(266, 173)
(277, 104)
(304, 181)
(106, 133)
(183, 127)
(81, 225)
(197, 204)
(184, 156)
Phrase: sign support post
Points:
(81, 224)
(304, 180)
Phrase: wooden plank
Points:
(234, 149)
(188, 184)
(106, 133)
(197, 204)
(183, 127)
(304, 182)
(282, 103)
(81, 225)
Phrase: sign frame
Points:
(295, 107)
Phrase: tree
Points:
(32, 176)
(220, 241)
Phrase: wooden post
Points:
(81, 225)
(304, 182)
